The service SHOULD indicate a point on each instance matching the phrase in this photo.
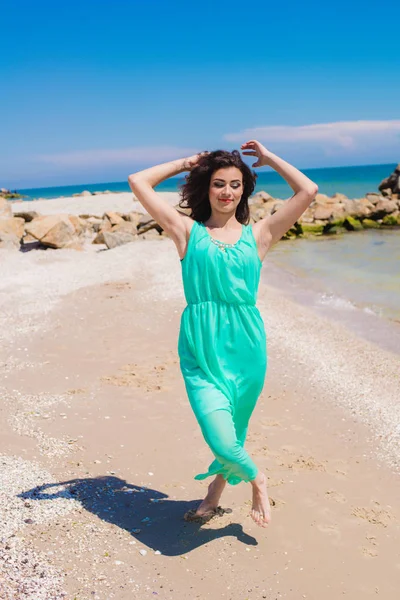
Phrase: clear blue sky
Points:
(93, 90)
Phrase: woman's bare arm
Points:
(273, 227)
(142, 184)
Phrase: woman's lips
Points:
(223, 200)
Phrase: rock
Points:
(358, 208)
(28, 215)
(28, 239)
(150, 235)
(338, 197)
(384, 207)
(11, 225)
(9, 241)
(99, 239)
(106, 225)
(392, 182)
(370, 224)
(126, 226)
(61, 235)
(263, 196)
(94, 223)
(113, 217)
(134, 217)
(55, 231)
(84, 193)
(323, 213)
(146, 223)
(5, 208)
(321, 199)
(118, 238)
(373, 197)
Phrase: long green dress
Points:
(222, 345)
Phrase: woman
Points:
(222, 342)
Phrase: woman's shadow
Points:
(149, 515)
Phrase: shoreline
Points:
(307, 291)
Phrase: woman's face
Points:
(226, 189)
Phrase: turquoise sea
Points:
(353, 278)
(355, 182)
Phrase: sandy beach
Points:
(99, 445)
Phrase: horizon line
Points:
(182, 176)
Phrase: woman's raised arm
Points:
(273, 227)
(142, 184)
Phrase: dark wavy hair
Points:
(195, 190)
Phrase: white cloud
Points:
(343, 136)
(112, 157)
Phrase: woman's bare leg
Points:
(261, 510)
(212, 499)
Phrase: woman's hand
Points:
(191, 161)
(256, 149)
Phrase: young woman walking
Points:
(222, 341)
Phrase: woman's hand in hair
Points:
(254, 148)
(191, 161)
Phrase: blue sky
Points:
(94, 90)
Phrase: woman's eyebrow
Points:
(219, 179)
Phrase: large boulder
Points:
(384, 207)
(392, 182)
(27, 215)
(124, 227)
(113, 217)
(329, 212)
(358, 208)
(112, 239)
(9, 241)
(55, 231)
(11, 225)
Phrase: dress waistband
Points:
(222, 302)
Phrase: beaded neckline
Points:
(223, 245)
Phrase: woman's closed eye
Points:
(234, 185)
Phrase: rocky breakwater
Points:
(28, 230)
(336, 214)
(327, 215)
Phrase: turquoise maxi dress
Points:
(222, 345)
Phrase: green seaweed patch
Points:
(331, 229)
(391, 220)
(11, 196)
(312, 228)
(352, 224)
(370, 224)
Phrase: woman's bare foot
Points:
(212, 499)
(261, 510)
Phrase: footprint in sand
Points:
(269, 424)
(375, 516)
(150, 377)
(336, 496)
(330, 530)
(369, 552)
(300, 462)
